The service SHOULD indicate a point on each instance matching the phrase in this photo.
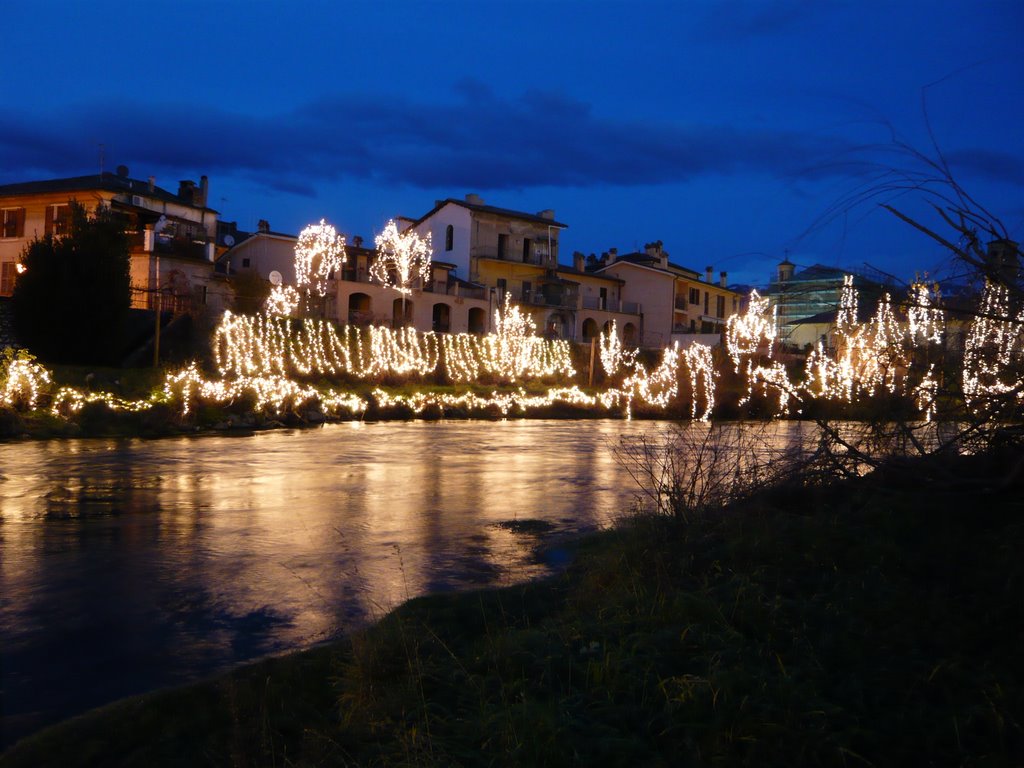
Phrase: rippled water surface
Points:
(129, 565)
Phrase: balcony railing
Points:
(177, 247)
(509, 254)
(354, 275)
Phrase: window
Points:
(502, 245)
(707, 298)
(58, 219)
(695, 295)
(12, 222)
(7, 273)
(449, 238)
(527, 243)
(502, 285)
(527, 289)
(245, 263)
(720, 306)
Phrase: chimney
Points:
(357, 241)
(613, 254)
(474, 199)
(708, 272)
(547, 213)
(263, 226)
(579, 261)
(204, 190)
(186, 190)
(721, 278)
(152, 184)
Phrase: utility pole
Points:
(156, 337)
(593, 349)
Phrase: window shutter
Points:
(19, 226)
(48, 226)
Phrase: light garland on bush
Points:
(752, 331)
(993, 352)
(701, 367)
(24, 382)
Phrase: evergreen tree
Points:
(71, 302)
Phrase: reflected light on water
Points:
(127, 565)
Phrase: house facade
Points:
(678, 306)
(172, 236)
(515, 254)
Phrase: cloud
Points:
(475, 140)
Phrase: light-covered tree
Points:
(402, 259)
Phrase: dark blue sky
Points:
(731, 131)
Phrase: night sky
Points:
(735, 132)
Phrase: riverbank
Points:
(874, 621)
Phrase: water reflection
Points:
(128, 565)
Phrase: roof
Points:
(111, 182)
(645, 259)
(491, 209)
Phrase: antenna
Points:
(101, 158)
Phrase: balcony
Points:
(179, 247)
(538, 259)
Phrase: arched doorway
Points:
(477, 320)
(589, 329)
(629, 335)
(401, 312)
(360, 309)
(442, 318)
(555, 326)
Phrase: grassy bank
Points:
(873, 622)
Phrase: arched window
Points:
(449, 238)
(589, 329)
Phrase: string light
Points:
(751, 332)
(257, 358)
(402, 258)
(993, 352)
(24, 381)
(703, 375)
(319, 253)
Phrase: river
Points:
(129, 565)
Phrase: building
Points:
(678, 306)
(804, 299)
(172, 236)
(515, 254)
(445, 303)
